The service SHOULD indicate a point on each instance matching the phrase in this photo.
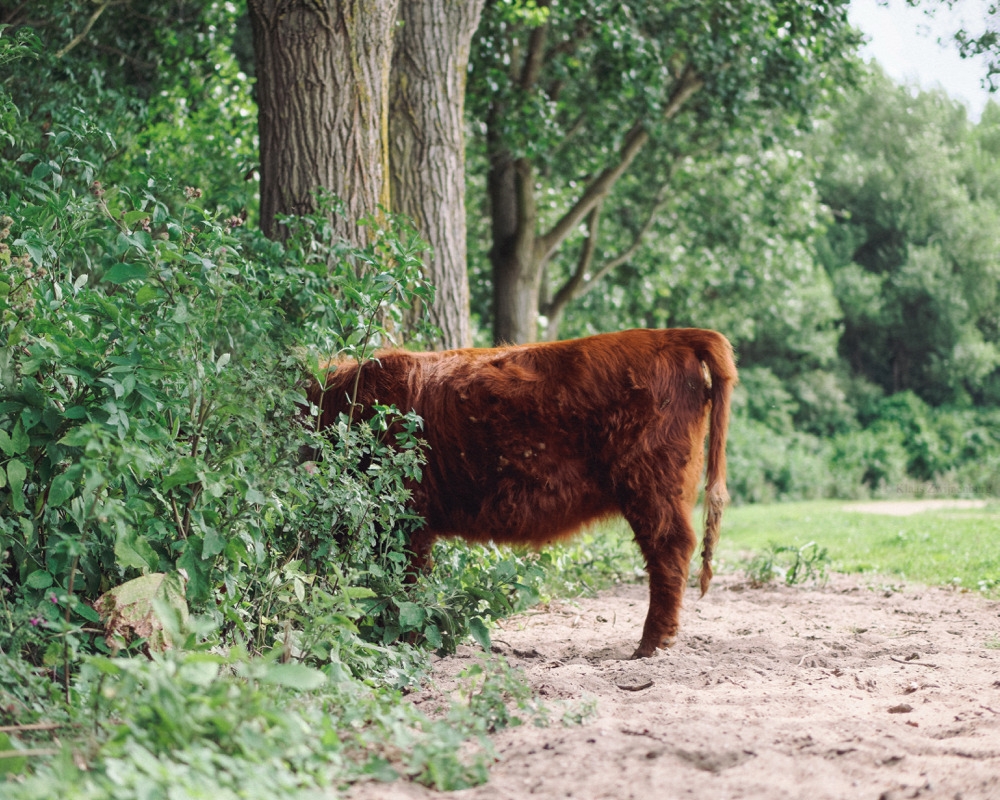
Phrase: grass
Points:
(947, 547)
(959, 548)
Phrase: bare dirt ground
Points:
(855, 689)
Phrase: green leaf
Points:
(146, 293)
(433, 636)
(132, 550)
(184, 472)
(123, 273)
(5, 443)
(41, 171)
(197, 570)
(213, 545)
(133, 217)
(16, 473)
(19, 440)
(39, 579)
(60, 490)
(480, 633)
(255, 496)
(411, 615)
(11, 764)
(294, 676)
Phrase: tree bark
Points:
(322, 94)
(427, 147)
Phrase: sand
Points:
(854, 689)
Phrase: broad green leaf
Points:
(146, 293)
(123, 273)
(11, 764)
(133, 217)
(294, 676)
(433, 636)
(132, 550)
(5, 443)
(197, 569)
(19, 439)
(184, 472)
(60, 490)
(16, 473)
(213, 544)
(480, 633)
(39, 579)
(411, 615)
(200, 672)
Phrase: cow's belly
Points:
(527, 497)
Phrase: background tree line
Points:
(731, 166)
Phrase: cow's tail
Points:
(717, 354)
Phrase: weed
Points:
(792, 565)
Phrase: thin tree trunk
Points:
(520, 252)
(427, 147)
(322, 94)
(516, 271)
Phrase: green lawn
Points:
(956, 547)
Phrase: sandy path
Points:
(843, 691)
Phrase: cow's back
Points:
(527, 443)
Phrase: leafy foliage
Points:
(153, 354)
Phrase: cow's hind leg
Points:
(664, 534)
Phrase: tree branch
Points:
(687, 85)
(621, 258)
(571, 288)
(90, 24)
(536, 55)
(578, 285)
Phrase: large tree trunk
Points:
(322, 94)
(427, 147)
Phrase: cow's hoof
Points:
(646, 650)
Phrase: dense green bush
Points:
(153, 354)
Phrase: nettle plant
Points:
(151, 410)
(152, 417)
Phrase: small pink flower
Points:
(35, 621)
(53, 598)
